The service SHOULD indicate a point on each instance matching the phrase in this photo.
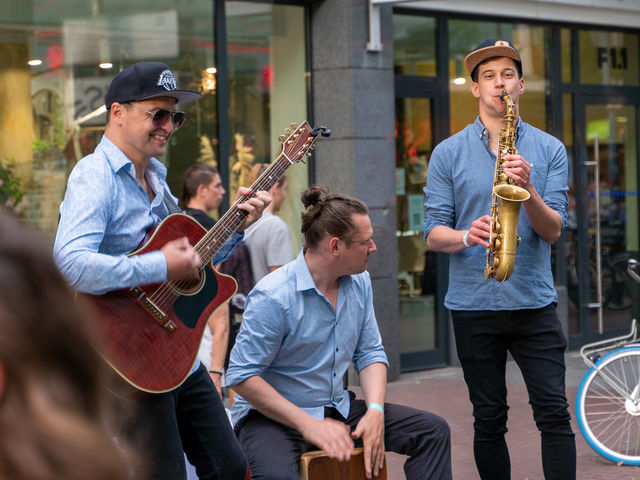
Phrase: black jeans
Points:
(190, 418)
(273, 450)
(536, 342)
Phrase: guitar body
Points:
(150, 334)
(149, 356)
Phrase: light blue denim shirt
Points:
(105, 216)
(458, 191)
(293, 338)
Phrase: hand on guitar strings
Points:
(183, 262)
(253, 206)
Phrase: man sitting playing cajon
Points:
(303, 325)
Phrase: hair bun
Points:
(312, 196)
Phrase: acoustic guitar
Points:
(150, 334)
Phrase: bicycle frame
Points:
(589, 349)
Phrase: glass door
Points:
(609, 216)
(420, 327)
(421, 85)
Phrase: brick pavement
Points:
(444, 392)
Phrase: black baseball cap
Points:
(492, 47)
(144, 80)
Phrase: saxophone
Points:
(505, 205)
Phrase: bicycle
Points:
(608, 399)
(616, 290)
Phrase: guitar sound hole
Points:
(188, 287)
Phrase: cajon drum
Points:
(316, 465)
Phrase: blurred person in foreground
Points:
(491, 318)
(52, 397)
(114, 197)
(313, 317)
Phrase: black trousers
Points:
(273, 450)
(536, 342)
(189, 419)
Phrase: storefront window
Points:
(417, 324)
(565, 48)
(414, 45)
(267, 92)
(608, 58)
(530, 42)
(57, 62)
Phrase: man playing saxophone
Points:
(491, 318)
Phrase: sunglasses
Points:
(162, 115)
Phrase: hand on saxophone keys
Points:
(517, 169)
(479, 232)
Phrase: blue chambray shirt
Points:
(458, 191)
(105, 216)
(293, 338)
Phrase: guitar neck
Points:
(224, 228)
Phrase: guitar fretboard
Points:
(224, 228)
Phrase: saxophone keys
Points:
(497, 244)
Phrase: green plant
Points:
(11, 192)
(40, 146)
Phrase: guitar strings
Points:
(279, 166)
(229, 223)
(163, 296)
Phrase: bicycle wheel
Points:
(610, 423)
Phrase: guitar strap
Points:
(170, 203)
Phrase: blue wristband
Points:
(377, 406)
(464, 239)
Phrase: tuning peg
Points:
(282, 138)
(287, 132)
(294, 126)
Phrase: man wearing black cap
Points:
(519, 315)
(114, 196)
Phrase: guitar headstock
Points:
(296, 144)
